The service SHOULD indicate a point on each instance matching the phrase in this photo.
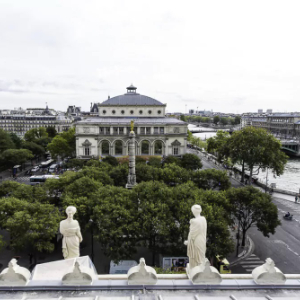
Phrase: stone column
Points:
(131, 175)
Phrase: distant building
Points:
(107, 132)
(20, 121)
(260, 111)
(284, 125)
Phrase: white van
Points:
(53, 168)
(122, 267)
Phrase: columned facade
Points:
(108, 133)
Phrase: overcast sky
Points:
(228, 56)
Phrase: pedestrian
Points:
(296, 199)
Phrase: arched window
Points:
(158, 148)
(145, 148)
(118, 148)
(105, 148)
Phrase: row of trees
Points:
(16, 151)
(217, 120)
(253, 148)
(154, 214)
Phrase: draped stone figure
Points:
(72, 237)
(196, 243)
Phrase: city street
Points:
(283, 247)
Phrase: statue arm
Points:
(61, 229)
(78, 233)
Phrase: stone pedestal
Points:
(141, 274)
(14, 275)
(268, 274)
(204, 274)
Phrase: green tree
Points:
(5, 141)
(76, 163)
(82, 187)
(16, 140)
(38, 136)
(35, 134)
(216, 120)
(31, 225)
(114, 216)
(154, 215)
(51, 131)
(93, 163)
(191, 161)
(184, 196)
(14, 157)
(119, 175)
(252, 207)
(211, 179)
(34, 148)
(148, 173)
(258, 149)
(63, 144)
(111, 160)
(172, 174)
(224, 121)
(7, 187)
(155, 162)
(183, 118)
(219, 145)
(172, 160)
(237, 120)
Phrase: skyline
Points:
(228, 56)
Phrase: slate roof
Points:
(131, 99)
(126, 120)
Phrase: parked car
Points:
(35, 169)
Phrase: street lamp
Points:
(241, 213)
(92, 234)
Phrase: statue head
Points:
(196, 210)
(70, 211)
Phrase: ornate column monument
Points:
(72, 237)
(131, 175)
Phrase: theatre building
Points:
(106, 133)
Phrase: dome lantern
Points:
(131, 89)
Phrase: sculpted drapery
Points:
(72, 237)
(196, 243)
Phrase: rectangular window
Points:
(175, 151)
(155, 130)
(121, 130)
(101, 130)
(86, 151)
(107, 130)
(115, 130)
(148, 130)
(162, 130)
(142, 129)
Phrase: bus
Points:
(41, 179)
(46, 164)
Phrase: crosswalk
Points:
(18, 179)
(250, 263)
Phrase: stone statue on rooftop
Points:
(196, 243)
(72, 237)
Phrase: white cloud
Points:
(222, 55)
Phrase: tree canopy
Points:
(63, 144)
(252, 207)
